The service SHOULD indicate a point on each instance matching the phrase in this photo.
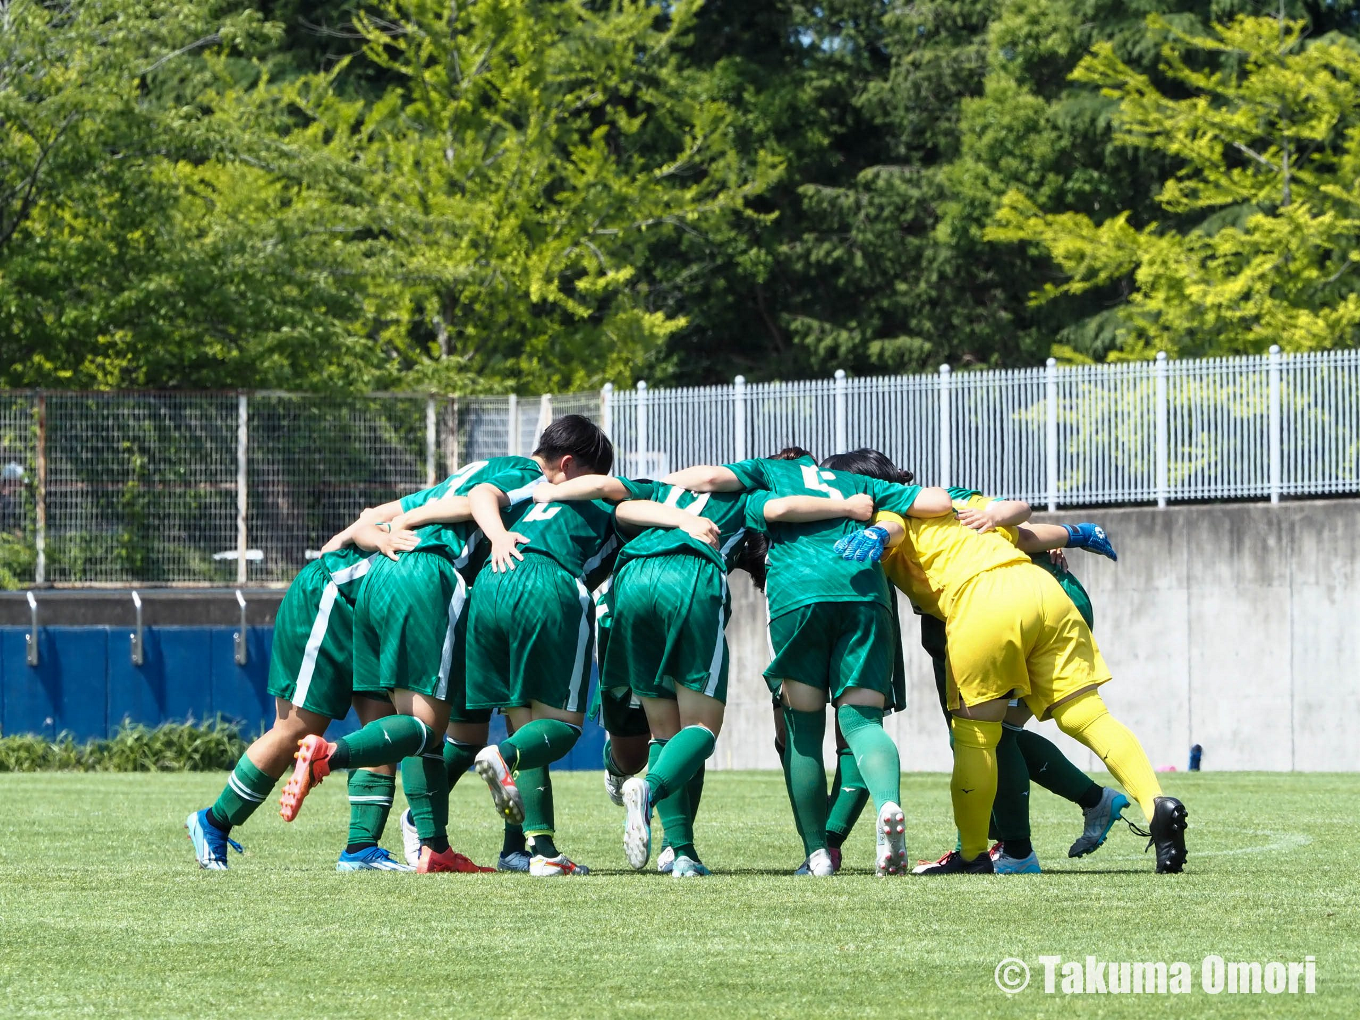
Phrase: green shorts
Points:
(530, 638)
(312, 661)
(668, 628)
(410, 623)
(933, 641)
(617, 710)
(833, 646)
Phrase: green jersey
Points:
(515, 476)
(725, 509)
(345, 568)
(578, 536)
(803, 566)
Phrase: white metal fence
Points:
(176, 488)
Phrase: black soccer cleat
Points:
(1167, 832)
(953, 863)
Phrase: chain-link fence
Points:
(211, 488)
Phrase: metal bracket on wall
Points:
(239, 638)
(31, 638)
(138, 648)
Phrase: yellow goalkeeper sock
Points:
(1087, 719)
(973, 786)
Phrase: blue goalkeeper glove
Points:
(1090, 537)
(864, 545)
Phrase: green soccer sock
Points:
(1010, 808)
(427, 791)
(384, 741)
(695, 789)
(370, 799)
(247, 788)
(783, 749)
(848, 797)
(458, 758)
(1052, 770)
(680, 759)
(807, 776)
(540, 818)
(875, 752)
(538, 744)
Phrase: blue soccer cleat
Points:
(688, 867)
(210, 842)
(1004, 864)
(516, 861)
(1090, 537)
(1098, 822)
(866, 545)
(375, 858)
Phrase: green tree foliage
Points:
(1265, 138)
(482, 195)
(528, 160)
(156, 227)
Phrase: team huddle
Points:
(505, 586)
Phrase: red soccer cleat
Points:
(313, 765)
(449, 860)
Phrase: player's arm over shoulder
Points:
(807, 509)
(637, 514)
(588, 487)
(706, 478)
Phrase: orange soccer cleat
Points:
(313, 765)
(449, 860)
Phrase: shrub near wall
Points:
(173, 747)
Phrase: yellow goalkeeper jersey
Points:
(940, 555)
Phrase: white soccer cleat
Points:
(410, 841)
(665, 860)
(637, 823)
(820, 865)
(613, 785)
(892, 842)
(504, 793)
(555, 867)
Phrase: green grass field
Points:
(103, 912)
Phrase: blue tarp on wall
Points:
(85, 684)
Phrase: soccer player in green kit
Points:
(410, 627)
(530, 636)
(668, 613)
(311, 679)
(833, 639)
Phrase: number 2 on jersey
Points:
(543, 512)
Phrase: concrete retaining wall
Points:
(1236, 627)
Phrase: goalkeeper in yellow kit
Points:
(1012, 632)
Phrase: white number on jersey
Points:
(695, 508)
(815, 480)
(543, 512)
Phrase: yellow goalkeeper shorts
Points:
(1013, 629)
